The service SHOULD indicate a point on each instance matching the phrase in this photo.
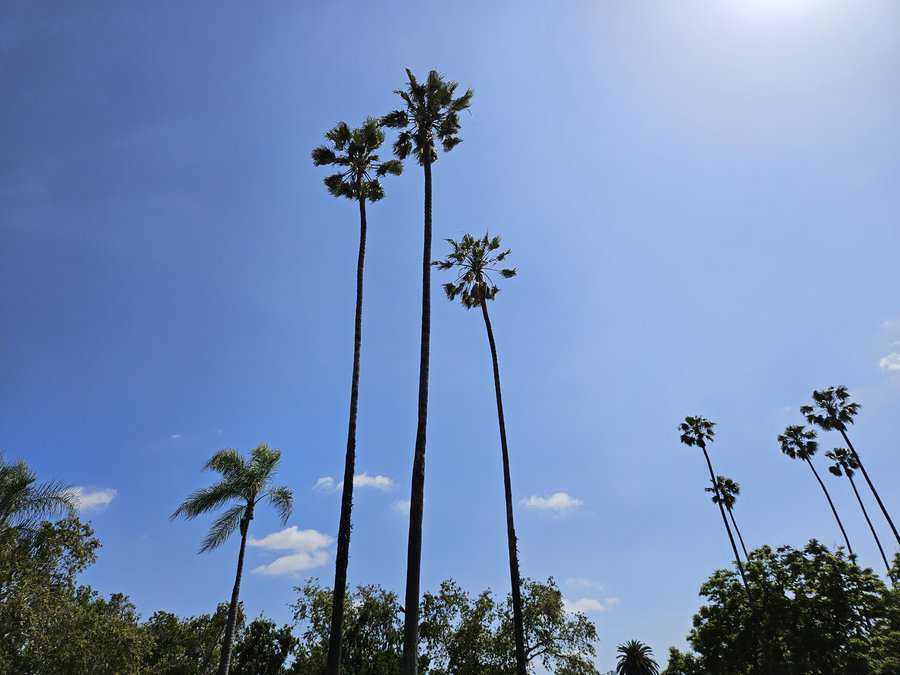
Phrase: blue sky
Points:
(701, 198)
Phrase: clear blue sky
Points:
(701, 197)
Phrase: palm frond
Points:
(209, 498)
(282, 499)
(227, 462)
(222, 528)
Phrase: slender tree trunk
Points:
(342, 559)
(409, 665)
(738, 531)
(869, 481)
(518, 629)
(737, 556)
(225, 658)
(869, 521)
(831, 504)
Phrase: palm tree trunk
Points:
(737, 556)
(342, 559)
(225, 658)
(869, 481)
(831, 504)
(519, 632)
(409, 665)
(738, 531)
(869, 521)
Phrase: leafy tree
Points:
(24, 502)
(729, 490)
(430, 115)
(263, 648)
(682, 664)
(474, 260)
(845, 464)
(832, 409)
(635, 658)
(699, 431)
(797, 442)
(354, 152)
(243, 485)
(188, 646)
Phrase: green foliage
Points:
(430, 114)
(843, 462)
(831, 409)
(635, 658)
(475, 260)
(24, 502)
(188, 646)
(728, 489)
(361, 168)
(263, 649)
(697, 431)
(798, 442)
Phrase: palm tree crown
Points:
(697, 431)
(354, 151)
(836, 410)
(430, 114)
(798, 442)
(24, 501)
(476, 260)
(636, 658)
(729, 490)
(244, 484)
(844, 462)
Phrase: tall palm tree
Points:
(836, 411)
(354, 151)
(798, 442)
(699, 431)
(24, 501)
(845, 464)
(429, 116)
(243, 485)
(476, 259)
(729, 491)
(635, 658)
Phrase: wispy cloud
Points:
(589, 605)
(400, 506)
(890, 363)
(175, 437)
(88, 500)
(324, 484)
(308, 550)
(558, 502)
(581, 582)
(360, 480)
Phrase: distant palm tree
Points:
(476, 259)
(24, 502)
(354, 151)
(430, 115)
(729, 491)
(845, 464)
(635, 658)
(797, 442)
(836, 411)
(243, 485)
(699, 431)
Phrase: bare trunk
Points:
(225, 658)
(409, 665)
(342, 559)
(869, 521)
(518, 624)
(831, 504)
(869, 481)
(738, 531)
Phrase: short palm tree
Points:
(845, 464)
(635, 658)
(832, 409)
(475, 260)
(24, 502)
(354, 151)
(429, 116)
(699, 431)
(729, 490)
(798, 442)
(243, 485)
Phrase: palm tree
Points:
(699, 431)
(636, 658)
(354, 151)
(729, 491)
(430, 115)
(836, 411)
(24, 502)
(845, 464)
(476, 259)
(797, 442)
(243, 485)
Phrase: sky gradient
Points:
(702, 201)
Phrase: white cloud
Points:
(307, 550)
(175, 436)
(589, 605)
(400, 506)
(86, 500)
(890, 363)
(558, 502)
(360, 480)
(324, 484)
(581, 582)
